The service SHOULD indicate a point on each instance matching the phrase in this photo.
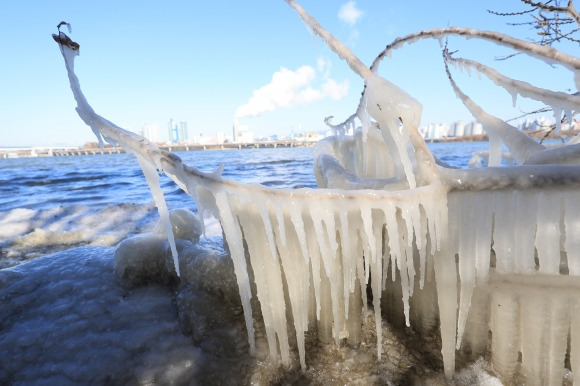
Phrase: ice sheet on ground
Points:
(66, 319)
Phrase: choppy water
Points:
(99, 180)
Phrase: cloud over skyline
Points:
(292, 88)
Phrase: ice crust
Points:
(488, 246)
(67, 320)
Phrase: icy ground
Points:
(67, 318)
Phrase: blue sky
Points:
(144, 62)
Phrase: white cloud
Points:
(335, 90)
(349, 13)
(291, 88)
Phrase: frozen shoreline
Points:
(67, 319)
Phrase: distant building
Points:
(456, 129)
(173, 131)
(241, 133)
(235, 130)
(468, 129)
(151, 132)
(177, 132)
(183, 134)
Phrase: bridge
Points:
(108, 149)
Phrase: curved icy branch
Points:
(521, 146)
(336, 45)
(569, 9)
(555, 99)
(548, 54)
(517, 177)
(342, 127)
(562, 155)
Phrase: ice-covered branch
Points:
(568, 9)
(524, 149)
(547, 54)
(557, 100)
(336, 45)
(519, 144)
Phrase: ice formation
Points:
(496, 249)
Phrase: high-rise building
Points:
(459, 129)
(235, 130)
(151, 132)
(173, 131)
(183, 134)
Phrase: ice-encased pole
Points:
(116, 135)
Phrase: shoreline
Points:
(92, 148)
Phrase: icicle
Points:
(422, 246)
(504, 325)
(360, 269)
(314, 253)
(557, 117)
(346, 256)
(234, 237)
(377, 281)
(295, 270)
(476, 335)
(467, 261)
(524, 232)
(265, 267)
(322, 238)
(281, 225)
(446, 280)
(548, 232)
(153, 182)
(572, 227)
(483, 236)
(268, 228)
(535, 327)
(568, 114)
(503, 234)
(559, 316)
(296, 218)
(406, 232)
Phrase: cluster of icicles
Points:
(388, 216)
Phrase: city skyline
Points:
(243, 134)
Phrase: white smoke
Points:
(292, 88)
